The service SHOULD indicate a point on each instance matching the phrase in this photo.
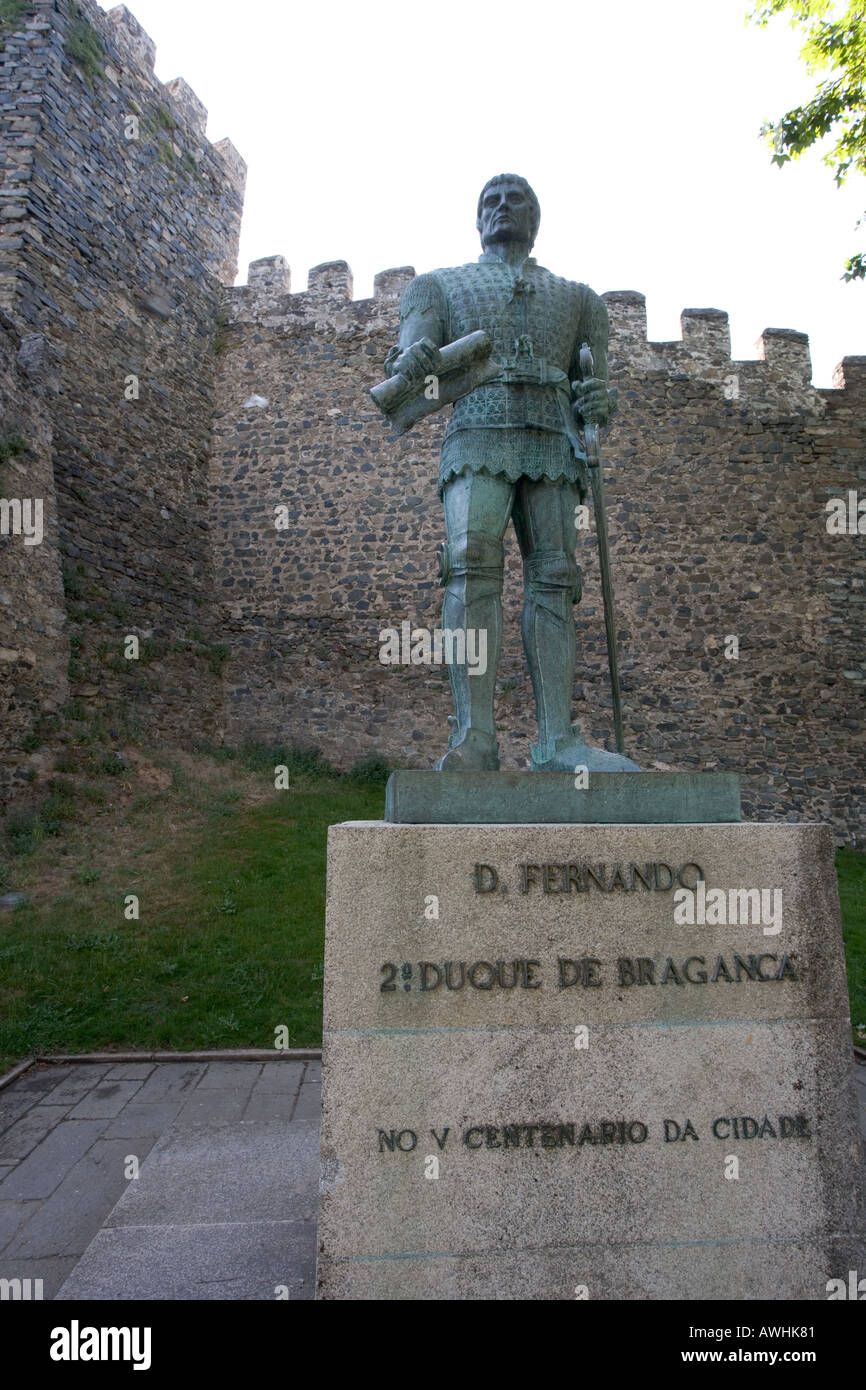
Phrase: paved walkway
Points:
(225, 1202)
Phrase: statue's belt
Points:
(536, 371)
(533, 371)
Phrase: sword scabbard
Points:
(593, 457)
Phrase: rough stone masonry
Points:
(119, 224)
(117, 257)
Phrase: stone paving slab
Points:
(226, 1201)
(30, 1129)
(309, 1106)
(284, 1077)
(230, 1076)
(105, 1101)
(40, 1080)
(53, 1272)
(270, 1105)
(129, 1071)
(66, 1223)
(171, 1079)
(46, 1167)
(211, 1173)
(237, 1261)
(275, 1092)
(13, 1215)
(78, 1082)
(140, 1121)
(225, 1105)
(12, 1108)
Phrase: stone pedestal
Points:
(541, 1080)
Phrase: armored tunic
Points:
(520, 424)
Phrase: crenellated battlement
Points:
(780, 375)
(268, 292)
(136, 46)
(80, 93)
(781, 372)
(137, 50)
(128, 59)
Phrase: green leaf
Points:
(836, 43)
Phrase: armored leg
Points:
(544, 521)
(551, 588)
(477, 508)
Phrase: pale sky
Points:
(369, 129)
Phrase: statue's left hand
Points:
(416, 362)
(593, 404)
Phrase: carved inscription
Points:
(587, 972)
(653, 877)
(600, 1133)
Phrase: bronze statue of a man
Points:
(512, 452)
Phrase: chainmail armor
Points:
(537, 322)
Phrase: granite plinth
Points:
(541, 1080)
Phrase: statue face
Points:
(506, 215)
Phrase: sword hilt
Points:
(587, 370)
(590, 429)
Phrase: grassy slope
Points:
(230, 877)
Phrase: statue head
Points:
(508, 211)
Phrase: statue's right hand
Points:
(418, 361)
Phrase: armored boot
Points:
(469, 751)
(552, 585)
(471, 568)
(568, 753)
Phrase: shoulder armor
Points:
(421, 295)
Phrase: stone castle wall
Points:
(717, 477)
(120, 225)
(34, 647)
